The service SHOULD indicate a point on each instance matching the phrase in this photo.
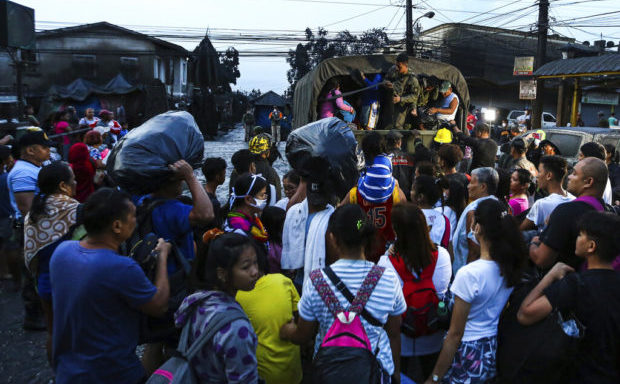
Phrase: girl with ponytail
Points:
(481, 289)
(347, 233)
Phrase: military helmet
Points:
(260, 144)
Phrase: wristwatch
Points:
(435, 378)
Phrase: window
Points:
(549, 118)
(85, 65)
(129, 68)
(30, 59)
(567, 143)
(156, 62)
(183, 72)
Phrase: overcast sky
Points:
(195, 17)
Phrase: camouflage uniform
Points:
(408, 88)
(427, 97)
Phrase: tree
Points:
(230, 63)
(319, 47)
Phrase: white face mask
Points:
(260, 203)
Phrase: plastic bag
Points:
(139, 162)
(333, 139)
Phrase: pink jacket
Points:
(328, 107)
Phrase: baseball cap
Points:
(34, 137)
(445, 85)
(394, 135)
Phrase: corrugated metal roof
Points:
(605, 63)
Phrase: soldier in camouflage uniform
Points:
(406, 90)
(429, 93)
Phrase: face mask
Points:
(472, 236)
(260, 203)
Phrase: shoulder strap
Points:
(445, 239)
(219, 320)
(368, 285)
(327, 295)
(349, 296)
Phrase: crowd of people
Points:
(422, 272)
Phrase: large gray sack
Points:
(139, 162)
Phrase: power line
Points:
(356, 16)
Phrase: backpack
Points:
(178, 369)
(140, 247)
(425, 315)
(345, 351)
(538, 353)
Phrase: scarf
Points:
(79, 159)
(249, 225)
(60, 215)
(377, 184)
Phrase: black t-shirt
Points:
(561, 232)
(596, 304)
(217, 211)
(484, 151)
(460, 177)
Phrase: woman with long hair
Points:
(425, 193)
(519, 184)
(229, 266)
(52, 217)
(415, 256)
(481, 289)
(453, 201)
(329, 108)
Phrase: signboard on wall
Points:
(600, 98)
(524, 66)
(527, 89)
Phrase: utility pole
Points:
(409, 31)
(543, 26)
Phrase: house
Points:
(98, 53)
(485, 56)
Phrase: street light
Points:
(430, 15)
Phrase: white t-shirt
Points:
(480, 284)
(436, 222)
(542, 208)
(282, 203)
(452, 218)
(91, 123)
(426, 345)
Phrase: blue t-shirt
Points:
(171, 222)
(96, 294)
(6, 209)
(372, 95)
(22, 178)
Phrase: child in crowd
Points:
(481, 289)
(290, 182)
(425, 192)
(593, 296)
(273, 220)
(247, 201)
(347, 232)
(229, 267)
(272, 302)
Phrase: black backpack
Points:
(538, 353)
(140, 247)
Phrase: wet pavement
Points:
(23, 358)
(226, 145)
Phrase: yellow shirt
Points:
(268, 306)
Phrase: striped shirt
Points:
(386, 300)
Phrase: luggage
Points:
(345, 351)
(332, 139)
(139, 162)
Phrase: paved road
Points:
(22, 353)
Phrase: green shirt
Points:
(406, 86)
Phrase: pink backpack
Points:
(345, 351)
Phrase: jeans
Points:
(275, 133)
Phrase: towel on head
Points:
(377, 184)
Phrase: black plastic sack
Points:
(333, 139)
(139, 162)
